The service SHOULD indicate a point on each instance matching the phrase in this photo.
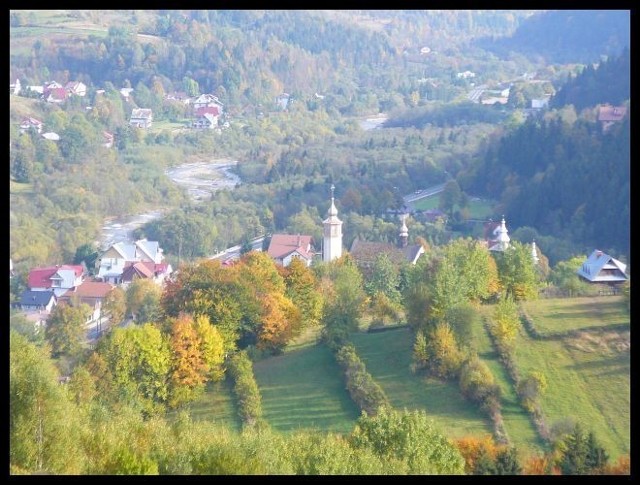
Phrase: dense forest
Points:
(568, 36)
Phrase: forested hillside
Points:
(607, 83)
(562, 36)
(562, 175)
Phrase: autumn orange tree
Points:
(271, 317)
(188, 368)
(207, 289)
(302, 289)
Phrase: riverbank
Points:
(200, 179)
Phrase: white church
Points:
(332, 233)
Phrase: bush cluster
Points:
(246, 389)
(364, 391)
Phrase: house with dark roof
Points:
(37, 301)
(284, 247)
(365, 253)
(602, 268)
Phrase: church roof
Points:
(282, 245)
(366, 252)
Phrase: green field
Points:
(558, 315)
(305, 389)
(517, 421)
(387, 356)
(478, 209)
(217, 405)
(588, 373)
(588, 376)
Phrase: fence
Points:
(553, 292)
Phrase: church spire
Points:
(503, 236)
(404, 232)
(332, 210)
(332, 242)
(534, 253)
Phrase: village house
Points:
(609, 115)
(57, 279)
(126, 92)
(76, 88)
(141, 118)
(206, 117)
(284, 247)
(107, 139)
(602, 268)
(37, 301)
(207, 101)
(539, 103)
(113, 262)
(28, 123)
(55, 95)
(92, 294)
(282, 101)
(179, 96)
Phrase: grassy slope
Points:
(517, 421)
(387, 356)
(478, 209)
(217, 404)
(556, 315)
(305, 389)
(590, 383)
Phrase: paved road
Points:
(421, 194)
(234, 252)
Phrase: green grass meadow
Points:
(517, 421)
(588, 375)
(387, 356)
(305, 389)
(478, 209)
(588, 380)
(556, 315)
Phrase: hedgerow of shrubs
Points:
(245, 389)
(364, 391)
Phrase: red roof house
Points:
(284, 247)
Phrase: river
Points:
(201, 179)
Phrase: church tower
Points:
(503, 238)
(534, 253)
(403, 238)
(332, 246)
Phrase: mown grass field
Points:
(517, 421)
(305, 389)
(387, 356)
(588, 373)
(588, 380)
(478, 209)
(555, 315)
